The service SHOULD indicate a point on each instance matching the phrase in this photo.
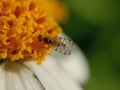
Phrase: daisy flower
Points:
(27, 34)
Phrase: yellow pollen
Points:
(21, 22)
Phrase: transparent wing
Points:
(64, 45)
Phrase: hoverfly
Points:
(60, 44)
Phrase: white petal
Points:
(17, 82)
(56, 78)
(77, 65)
(25, 76)
(9, 81)
(60, 73)
(29, 80)
(44, 76)
(2, 79)
(19, 77)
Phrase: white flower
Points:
(56, 73)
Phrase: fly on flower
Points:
(62, 45)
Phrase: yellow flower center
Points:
(21, 22)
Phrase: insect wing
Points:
(65, 45)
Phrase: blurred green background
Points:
(95, 26)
